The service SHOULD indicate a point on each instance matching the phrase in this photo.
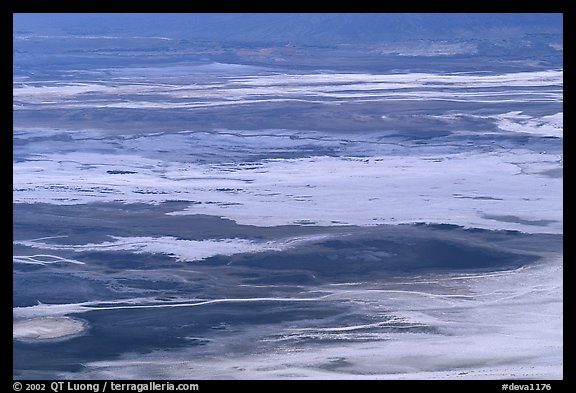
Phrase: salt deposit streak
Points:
(516, 121)
(282, 87)
(551, 125)
(182, 250)
(43, 259)
(43, 311)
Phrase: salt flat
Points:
(194, 206)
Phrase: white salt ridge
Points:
(182, 250)
(59, 310)
(52, 310)
(43, 259)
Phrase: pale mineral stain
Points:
(47, 328)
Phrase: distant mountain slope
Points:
(297, 29)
